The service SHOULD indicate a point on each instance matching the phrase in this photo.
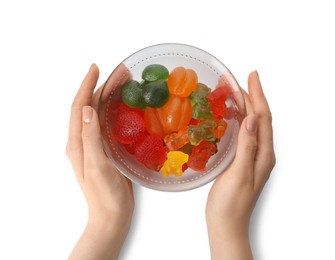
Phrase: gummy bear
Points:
(182, 82)
(220, 129)
(217, 98)
(172, 117)
(129, 127)
(177, 140)
(201, 108)
(200, 156)
(199, 96)
(203, 131)
(174, 163)
(149, 150)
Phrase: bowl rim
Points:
(174, 187)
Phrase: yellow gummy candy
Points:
(174, 163)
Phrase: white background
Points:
(48, 46)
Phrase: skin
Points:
(109, 194)
(234, 194)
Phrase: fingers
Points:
(246, 148)
(85, 92)
(247, 101)
(257, 98)
(92, 140)
(265, 152)
(83, 97)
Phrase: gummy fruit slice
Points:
(155, 72)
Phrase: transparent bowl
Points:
(212, 73)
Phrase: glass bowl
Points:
(211, 72)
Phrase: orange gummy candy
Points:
(182, 82)
(220, 130)
(175, 141)
(172, 117)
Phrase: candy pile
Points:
(170, 121)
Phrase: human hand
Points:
(108, 193)
(234, 194)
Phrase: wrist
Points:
(110, 222)
(228, 239)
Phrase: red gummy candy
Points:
(124, 108)
(158, 165)
(217, 98)
(200, 156)
(149, 150)
(129, 127)
(130, 148)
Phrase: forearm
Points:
(101, 241)
(229, 240)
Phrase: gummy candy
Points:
(155, 72)
(124, 108)
(149, 150)
(201, 108)
(132, 95)
(177, 140)
(200, 156)
(199, 96)
(187, 148)
(171, 122)
(182, 82)
(195, 121)
(130, 147)
(172, 117)
(129, 127)
(156, 94)
(202, 111)
(174, 163)
(220, 130)
(217, 98)
(203, 131)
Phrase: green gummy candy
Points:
(132, 95)
(202, 112)
(203, 131)
(156, 94)
(155, 72)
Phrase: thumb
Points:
(247, 143)
(91, 136)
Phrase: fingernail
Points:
(87, 114)
(251, 124)
(257, 73)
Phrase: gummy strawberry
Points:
(158, 165)
(149, 150)
(124, 108)
(129, 127)
(130, 147)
